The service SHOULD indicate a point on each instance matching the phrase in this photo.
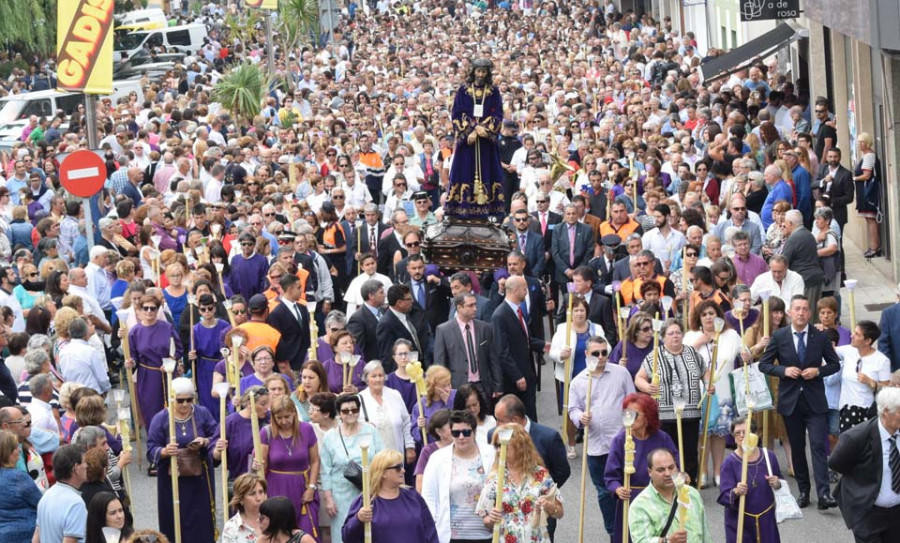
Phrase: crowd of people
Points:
(668, 237)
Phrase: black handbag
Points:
(352, 472)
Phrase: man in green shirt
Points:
(649, 513)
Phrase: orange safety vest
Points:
(631, 289)
(717, 296)
(623, 231)
(260, 333)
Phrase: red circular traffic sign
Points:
(82, 173)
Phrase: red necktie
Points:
(543, 224)
(522, 321)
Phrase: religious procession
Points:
(441, 271)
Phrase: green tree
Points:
(242, 91)
(29, 25)
(298, 20)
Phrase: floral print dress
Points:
(521, 519)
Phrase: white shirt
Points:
(213, 191)
(98, 284)
(91, 307)
(353, 297)
(79, 362)
(886, 495)
(12, 302)
(791, 285)
(874, 365)
(42, 416)
(664, 247)
(358, 194)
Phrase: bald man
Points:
(513, 345)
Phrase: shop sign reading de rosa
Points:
(760, 10)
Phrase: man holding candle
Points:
(612, 383)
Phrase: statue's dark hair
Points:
(481, 63)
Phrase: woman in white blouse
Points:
(383, 408)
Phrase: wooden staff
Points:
(129, 375)
(173, 461)
(568, 363)
(679, 409)
(313, 339)
(358, 250)
(124, 416)
(222, 390)
(750, 442)
(766, 331)
(683, 495)
(591, 367)
(634, 181)
(367, 485)
(628, 417)
(623, 316)
(719, 325)
(504, 436)
(684, 284)
(227, 304)
(416, 375)
(344, 361)
(851, 286)
(254, 426)
(192, 300)
(657, 326)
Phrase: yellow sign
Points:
(263, 4)
(84, 45)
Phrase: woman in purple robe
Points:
(647, 437)
(150, 342)
(638, 343)
(398, 379)
(207, 350)
(249, 270)
(759, 508)
(393, 510)
(291, 459)
(239, 433)
(476, 178)
(439, 395)
(195, 435)
(342, 342)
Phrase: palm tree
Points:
(242, 91)
(299, 19)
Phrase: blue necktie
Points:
(420, 295)
(801, 346)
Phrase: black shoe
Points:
(803, 500)
(826, 501)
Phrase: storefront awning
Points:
(743, 56)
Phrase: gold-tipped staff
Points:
(750, 442)
(623, 334)
(417, 376)
(718, 326)
(767, 329)
(567, 380)
(129, 376)
(684, 284)
(657, 328)
(683, 495)
(504, 436)
(192, 301)
(679, 403)
(124, 422)
(628, 418)
(591, 363)
(851, 301)
(227, 303)
(365, 441)
(169, 365)
(313, 339)
(222, 390)
(254, 426)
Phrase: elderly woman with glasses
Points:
(150, 342)
(342, 343)
(394, 509)
(263, 360)
(383, 408)
(196, 433)
(338, 448)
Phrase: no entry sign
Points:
(82, 173)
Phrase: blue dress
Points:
(578, 361)
(208, 343)
(176, 304)
(18, 506)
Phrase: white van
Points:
(15, 110)
(148, 18)
(185, 38)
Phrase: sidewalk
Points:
(874, 291)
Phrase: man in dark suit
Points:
(529, 243)
(604, 263)
(391, 242)
(463, 345)
(513, 343)
(800, 250)
(546, 219)
(412, 245)
(601, 306)
(363, 322)
(800, 350)
(835, 182)
(365, 236)
(291, 319)
(535, 304)
(461, 283)
(547, 441)
(572, 245)
(889, 341)
(396, 324)
(867, 458)
(431, 292)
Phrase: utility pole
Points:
(90, 117)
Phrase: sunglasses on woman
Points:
(463, 432)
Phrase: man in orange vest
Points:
(619, 223)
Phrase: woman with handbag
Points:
(341, 461)
(196, 434)
(292, 462)
(394, 509)
(763, 475)
(868, 191)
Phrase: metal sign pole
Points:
(90, 109)
(270, 48)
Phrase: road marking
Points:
(84, 172)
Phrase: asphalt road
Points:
(815, 526)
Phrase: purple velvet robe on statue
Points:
(149, 345)
(614, 476)
(196, 494)
(476, 178)
(760, 499)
